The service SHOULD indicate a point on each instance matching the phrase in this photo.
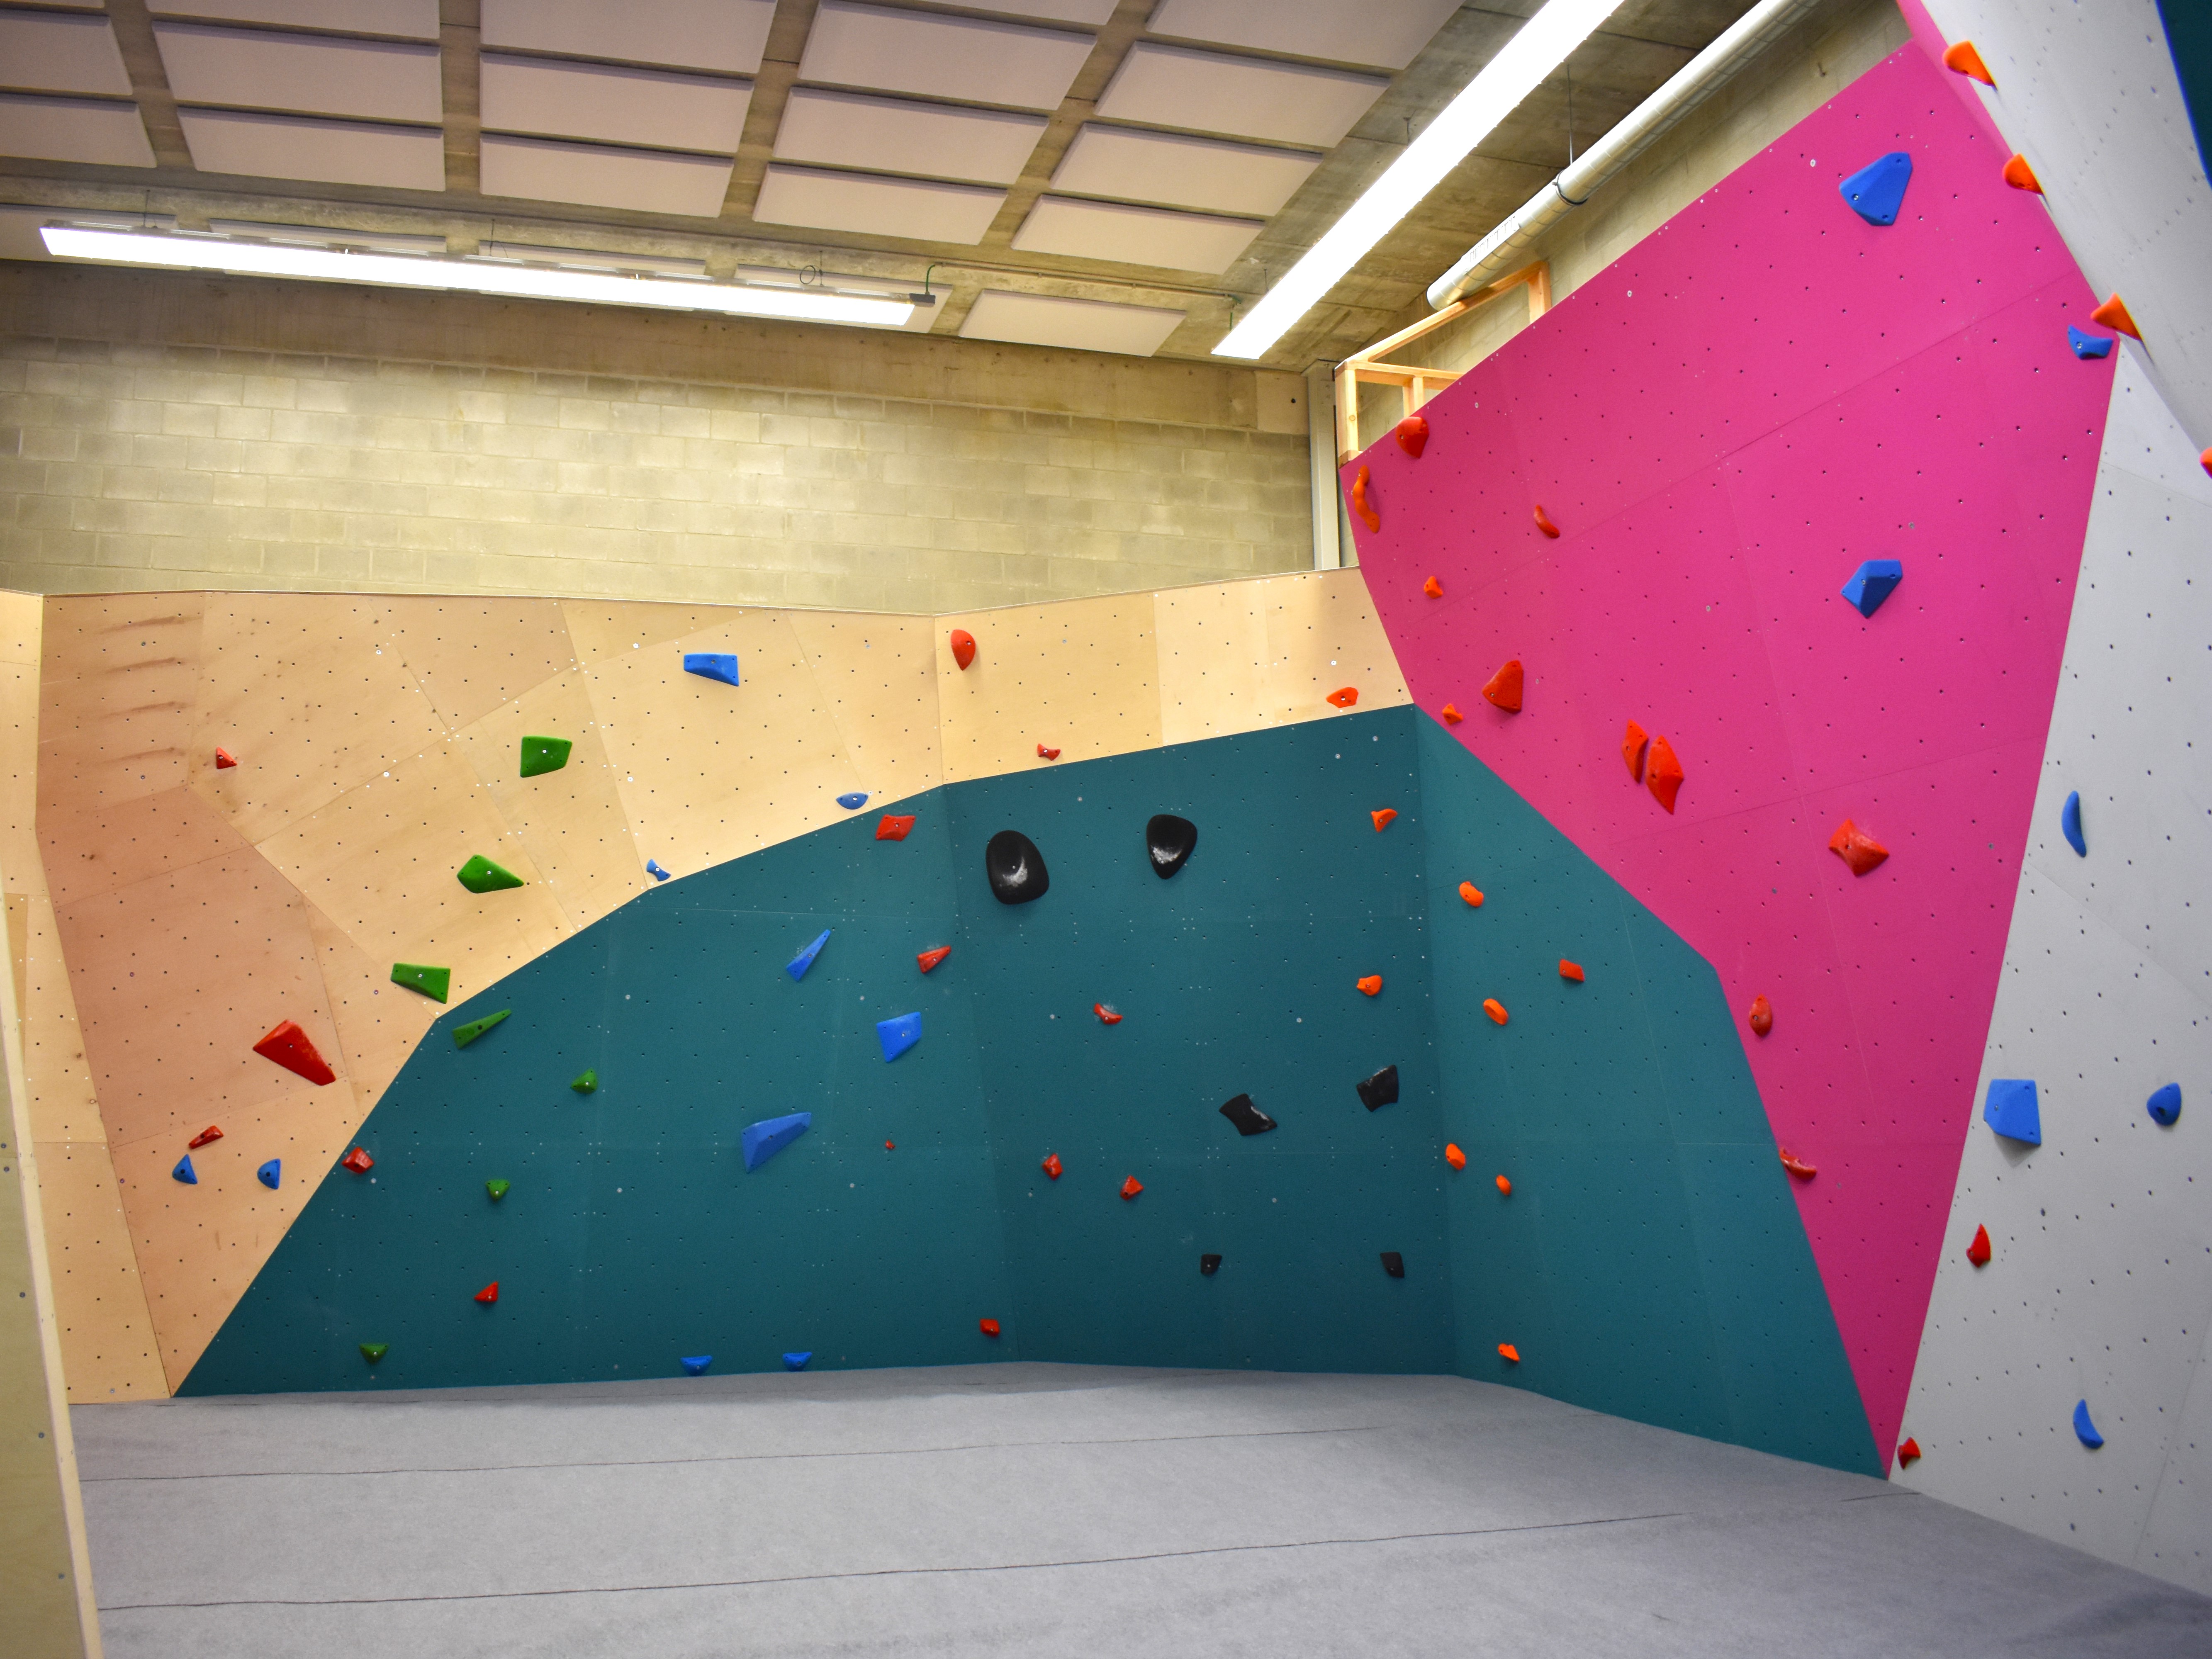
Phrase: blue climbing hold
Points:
(655, 871)
(184, 1171)
(2084, 1429)
(763, 1140)
(1876, 191)
(2166, 1104)
(1873, 582)
(2069, 823)
(853, 802)
(2009, 1108)
(270, 1172)
(899, 1034)
(2086, 346)
(797, 1362)
(798, 965)
(713, 666)
(696, 1363)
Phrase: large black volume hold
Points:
(1381, 1089)
(1249, 1119)
(1168, 842)
(1016, 868)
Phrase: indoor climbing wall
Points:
(1852, 352)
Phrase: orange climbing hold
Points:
(1044, 753)
(1371, 986)
(287, 1045)
(1961, 59)
(1908, 1453)
(2205, 460)
(988, 1326)
(1504, 1187)
(1412, 434)
(358, 1161)
(1131, 1187)
(1472, 893)
(1572, 970)
(1978, 1251)
(1505, 687)
(1495, 1009)
(1106, 1016)
(1454, 1157)
(1433, 588)
(929, 959)
(223, 761)
(1362, 505)
(1508, 1353)
(2113, 314)
(1383, 815)
(1051, 1165)
(1798, 1166)
(1857, 848)
(1761, 1018)
(490, 1294)
(894, 826)
(211, 1132)
(1633, 743)
(1344, 696)
(1451, 714)
(964, 646)
(1544, 522)
(2020, 175)
(1663, 774)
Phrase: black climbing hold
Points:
(1394, 1264)
(1381, 1089)
(1016, 868)
(1169, 840)
(1209, 1265)
(1249, 1119)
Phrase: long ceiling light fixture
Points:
(1544, 42)
(174, 249)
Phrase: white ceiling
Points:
(404, 19)
(899, 135)
(916, 210)
(73, 130)
(1135, 235)
(605, 175)
(1165, 85)
(725, 36)
(1388, 34)
(1080, 325)
(51, 52)
(1177, 170)
(260, 146)
(616, 102)
(258, 69)
(936, 56)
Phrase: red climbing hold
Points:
(1508, 1353)
(1908, 1453)
(1382, 816)
(1798, 1166)
(1433, 588)
(1371, 986)
(964, 646)
(211, 1132)
(1344, 696)
(1633, 743)
(929, 959)
(2020, 175)
(887, 1146)
(1044, 753)
(894, 826)
(1454, 1157)
(289, 1047)
(1544, 523)
(1106, 1016)
(1504, 1187)
(1572, 970)
(1131, 1187)
(1051, 1165)
(1472, 893)
(1761, 1018)
(1362, 505)
(2205, 460)
(1978, 1251)
(1857, 847)
(223, 760)
(988, 1326)
(1663, 774)
(1505, 687)
(358, 1161)
(1961, 59)
(1495, 1009)
(1451, 714)
(490, 1293)
(1413, 435)
(2113, 314)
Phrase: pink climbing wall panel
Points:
(1723, 425)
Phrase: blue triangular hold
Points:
(797, 1362)
(899, 1034)
(2009, 1108)
(763, 1140)
(2084, 1429)
(1877, 190)
(853, 802)
(713, 665)
(2166, 1104)
(798, 965)
(696, 1363)
(655, 871)
(2088, 346)
(2069, 823)
(1873, 582)
(270, 1173)
(184, 1171)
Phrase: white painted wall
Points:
(2100, 1287)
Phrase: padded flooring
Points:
(1029, 1508)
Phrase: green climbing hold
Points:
(481, 875)
(373, 1352)
(544, 754)
(586, 1084)
(465, 1035)
(496, 1189)
(430, 982)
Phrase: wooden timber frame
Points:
(1417, 386)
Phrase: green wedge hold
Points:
(373, 1352)
(586, 1084)
(481, 875)
(430, 982)
(544, 754)
(465, 1035)
(496, 1189)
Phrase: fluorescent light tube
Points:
(472, 276)
(1520, 67)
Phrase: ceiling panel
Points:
(48, 51)
(1291, 103)
(1135, 236)
(913, 210)
(1336, 31)
(333, 152)
(1080, 325)
(940, 56)
(1182, 171)
(73, 130)
(600, 175)
(1093, 12)
(602, 100)
(405, 20)
(725, 35)
(253, 69)
(893, 134)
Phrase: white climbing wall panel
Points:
(2099, 1287)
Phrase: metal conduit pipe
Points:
(1696, 80)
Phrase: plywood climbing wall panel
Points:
(94, 846)
(1240, 656)
(109, 1351)
(469, 656)
(877, 674)
(379, 1023)
(116, 689)
(62, 1105)
(599, 630)
(1081, 677)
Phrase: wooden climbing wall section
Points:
(167, 912)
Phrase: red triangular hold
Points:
(289, 1047)
(894, 826)
(1051, 1165)
(929, 959)
(358, 1161)
(223, 759)
(1505, 687)
(211, 1132)
(1978, 1251)
(1907, 1453)
(490, 1293)
(1433, 588)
